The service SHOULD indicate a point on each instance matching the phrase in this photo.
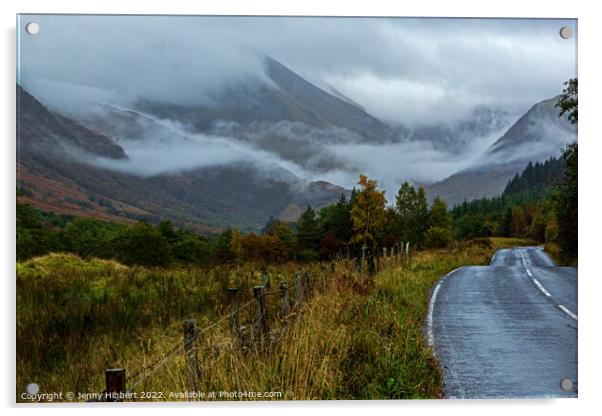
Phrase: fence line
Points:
(304, 285)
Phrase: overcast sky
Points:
(407, 71)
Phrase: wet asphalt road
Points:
(507, 330)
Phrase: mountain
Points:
(538, 135)
(286, 116)
(288, 97)
(56, 172)
(41, 132)
(456, 136)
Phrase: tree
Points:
(413, 213)
(141, 244)
(335, 219)
(566, 209)
(282, 231)
(33, 237)
(191, 249)
(167, 230)
(568, 100)
(368, 217)
(567, 197)
(307, 231)
(368, 212)
(87, 236)
(392, 228)
(437, 237)
(439, 216)
(506, 225)
(517, 227)
(439, 232)
(221, 250)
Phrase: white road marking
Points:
(568, 312)
(545, 292)
(543, 289)
(429, 317)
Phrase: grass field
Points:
(353, 338)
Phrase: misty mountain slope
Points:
(455, 137)
(40, 131)
(539, 133)
(469, 184)
(536, 136)
(289, 97)
(205, 199)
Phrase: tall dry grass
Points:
(353, 336)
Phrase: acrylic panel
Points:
(295, 208)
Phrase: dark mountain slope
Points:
(58, 178)
(40, 131)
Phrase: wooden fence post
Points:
(259, 295)
(298, 287)
(192, 361)
(234, 313)
(283, 300)
(114, 383)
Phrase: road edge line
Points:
(429, 316)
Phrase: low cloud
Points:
(337, 156)
(402, 70)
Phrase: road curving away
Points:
(507, 330)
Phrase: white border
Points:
(590, 142)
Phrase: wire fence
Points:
(304, 284)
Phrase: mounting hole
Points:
(32, 28)
(566, 32)
(32, 388)
(566, 384)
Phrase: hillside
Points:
(56, 171)
(536, 136)
(288, 98)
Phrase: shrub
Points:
(141, 244)
(437, 237)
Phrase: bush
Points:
(85, 236)
(141, 244)
(437, 237)
(309, 255)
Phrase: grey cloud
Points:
(401, 70)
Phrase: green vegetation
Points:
(516, 213)
(351, 339)
(540, 203)
(336, 230)
(113, 294)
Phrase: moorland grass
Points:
(353, 337)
